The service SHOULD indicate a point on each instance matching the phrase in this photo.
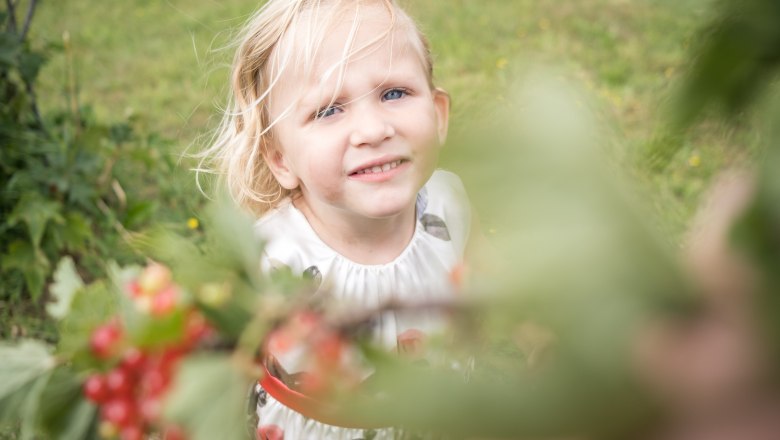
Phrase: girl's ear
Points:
(277, 163)
(441, 104)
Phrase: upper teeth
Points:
(380, 168)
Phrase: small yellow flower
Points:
(694, 161)
(669, 72)
(492, 231)
(544, 24)
(501, 63)
(193, 223)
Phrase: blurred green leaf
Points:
(77, 231)
(35, 212)
(66, 283)
(30, 261)
(31, 407)
(22, 363)
(30, 64)
(91, 306)
(737, 57)
(9, 49)
(64, 413)
(220, 415)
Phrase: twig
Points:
(34, 105)
(353, 321)
(28, 19)
(124, 233)
(11, 15)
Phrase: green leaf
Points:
(9, 49)
(30, 408)
(64, 413)
(30, 64)
(31, 262)
(22, 363)
(76, 232)
(207, 398)
(91, 306)
(151, 331)
(238, 244)
(35, 211)
(66, 283)
(138, 212)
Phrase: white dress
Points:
(421, 272)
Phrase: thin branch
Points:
(357, 320)
(28, 19)
(11, 15)
(34, 105)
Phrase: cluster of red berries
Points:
(130, 394)
(325, 362)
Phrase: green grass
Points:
(164, 62)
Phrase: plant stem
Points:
(11, 15)
(28, 19)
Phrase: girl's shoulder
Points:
(287, 237)
(443, 205)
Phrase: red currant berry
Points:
(133, 360)
(329, 349)
(133, 288)
(165, 301)
(95, 388)
(154, 381)
(120, 412)
(119, 382)
(151, 408)
(104, 340)
(270, 432)
(131, 432)
(173, 432)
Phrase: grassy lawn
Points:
(164, 63)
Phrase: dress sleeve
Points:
(281, 242)
(447, 198)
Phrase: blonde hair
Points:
(263, 55)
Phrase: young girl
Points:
(333, 139)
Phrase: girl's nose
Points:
(370, 129)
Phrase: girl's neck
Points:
(362, 240)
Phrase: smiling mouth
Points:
(379, 168)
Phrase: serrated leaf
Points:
(207, 398)
(31, 262)
(22, 363)
(35, 212)
(66, 283)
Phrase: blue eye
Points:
(330, 111)
(394, 94)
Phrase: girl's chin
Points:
(384, 209)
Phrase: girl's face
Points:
(366, 154)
